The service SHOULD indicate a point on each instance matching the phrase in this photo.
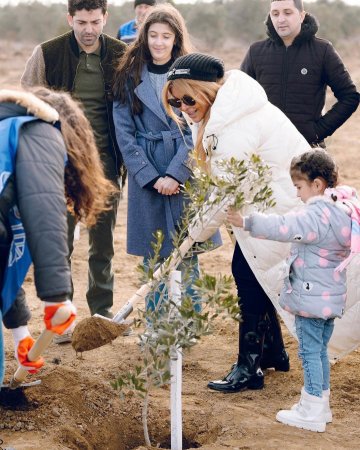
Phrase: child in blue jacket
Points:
(324, 235)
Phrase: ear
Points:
(105, 17)
(70, 20)
(302, 16)
(320, 185)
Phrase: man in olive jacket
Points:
(295, 67)
(83, 62)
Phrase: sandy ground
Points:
(75, 407)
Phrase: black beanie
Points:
(144, 2)
(197, 66)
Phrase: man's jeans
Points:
(314, 336)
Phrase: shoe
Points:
(64, 338)
(309, 414)
(326, 402)
(128, 332)
(246, 373)
(237, 380)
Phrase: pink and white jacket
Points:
(321, 235)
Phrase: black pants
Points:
(253, 299)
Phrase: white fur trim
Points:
(33, 104)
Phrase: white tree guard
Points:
(176, 372)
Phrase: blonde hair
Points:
(88, 193)
(204, 92)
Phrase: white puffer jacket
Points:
(242, 122)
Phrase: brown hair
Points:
(88, 192)
(78, 5)
(205, 93)
(128, 73)
(313, 164)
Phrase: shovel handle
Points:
(40, 345)
(170, 264)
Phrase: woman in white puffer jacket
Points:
(232, 117)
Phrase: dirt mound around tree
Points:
(86, 413)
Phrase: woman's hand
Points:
(235, 218)
(167, 186)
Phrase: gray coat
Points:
(152, 146)
(39, 178)
(320, 236)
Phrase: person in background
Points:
(155, 151)
(82, 62)
(295, 67)
(129, 30)
(48, 164)
(231, 117)
(322, 234)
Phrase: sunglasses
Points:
(176, 102)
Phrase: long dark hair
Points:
(128, 73)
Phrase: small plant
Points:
(169, 326)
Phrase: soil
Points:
(75, 406)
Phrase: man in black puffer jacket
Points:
(295, 67)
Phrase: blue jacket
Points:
(152, 146)
(127, 32)
(320, 236)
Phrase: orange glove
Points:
(54, 309)
(21, 354)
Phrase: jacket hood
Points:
(28, 102)
(309, 28)
(239, 96)
(338, 214)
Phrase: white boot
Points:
(309, 414)
(327, 410)
(326, 400)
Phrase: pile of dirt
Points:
(94, 332)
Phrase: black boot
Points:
(274, 353)
(246, 373)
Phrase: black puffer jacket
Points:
(295, 79)
(38, 191)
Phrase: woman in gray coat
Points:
(155, 151)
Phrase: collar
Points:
(76, 48)
(33, 104)
(309, 28)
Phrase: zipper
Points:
(284, 76)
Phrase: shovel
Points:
(41, 343)
(95, 331)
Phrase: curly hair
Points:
(88, 193)
(128, 73)
(78, 5)
(313, 164)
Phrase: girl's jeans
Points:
(314, 336)
(189, 268)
